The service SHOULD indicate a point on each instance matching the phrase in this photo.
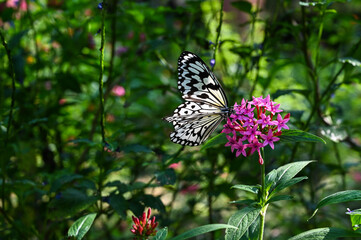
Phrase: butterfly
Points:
(205, 105)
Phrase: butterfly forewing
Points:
(205, 106)
(197, 83)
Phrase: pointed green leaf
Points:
(161, 234)
(325, 233)
(249, 188)
(245, 201)
(339, 197)
(299, 136)
(201, 230)
(279, 198)
(289, 183)
(242, 219)
(216, 140)
(81, 226)
(286, 173)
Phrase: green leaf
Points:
(285, 173)
(119, 204)
(324, 234)
(299, 136)
(70, 202)
(248, 188)
(216, 140)
(81, 226)
(339, 197)
(350, 60)
(201, 230)
(245, 201)
(161, 234)
(242, 219)
(355, 217)
(243, 6)
(166, 177)
(289, 183)
(65, 179)
(279, 198)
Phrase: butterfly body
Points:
(205, 106)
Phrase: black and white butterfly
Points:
(205, 104)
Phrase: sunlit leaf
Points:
(248, 188)
(350, 60)
(161, 234)
(242, 219)
(81, 226)
(355, 216)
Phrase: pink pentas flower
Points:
(144, 226)
(281, 123)
(118, 91)
(253, 125)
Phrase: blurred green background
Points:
(53, 165)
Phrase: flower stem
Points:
(218, 33)
(263, 198)
(101, 99)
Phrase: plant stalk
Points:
(263, 198)
(219, 28)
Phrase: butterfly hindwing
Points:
(205, 106)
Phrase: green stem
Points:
(12, 74)
(263, 198)
(320, 30)
(101, 97)
(4, 163)
(219, 28)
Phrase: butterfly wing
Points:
(205, 106)
(197, 83)
(193, 123)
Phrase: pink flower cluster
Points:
(143, 226)
(251, 126)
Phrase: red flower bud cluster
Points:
(144, 226)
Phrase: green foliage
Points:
(81, 226)
(202, 230)
(55, 167)
(242, 220)
(326, 234)
(355, 217)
